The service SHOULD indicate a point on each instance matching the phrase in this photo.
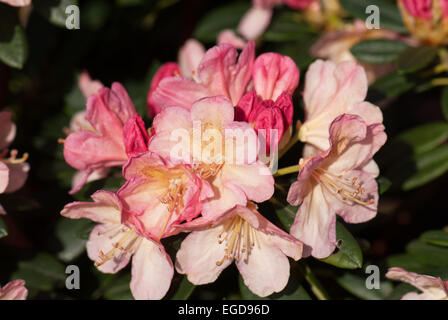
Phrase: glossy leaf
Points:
(436, 237)
(378, 51)
(445, 102)
(67, 231)
(349, 255)
(415, 59)
(425, 137)
(54, 10)
(3, 229)
(13, 44)
(356, 285)
(428, 254)
(184, 290)
(285, 28)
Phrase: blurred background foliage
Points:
(126, 41)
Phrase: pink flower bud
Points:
(135, 136)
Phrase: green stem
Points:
(287, 170)
(316, 287)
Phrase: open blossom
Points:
(216, 147)
(431, 288)
(112, 244)
(99, 143)
(159, 195)
(427, 20)
(243, 235)
(218, 73)
(14, 290)
(336, 182)
(13, 170)
(331, 90)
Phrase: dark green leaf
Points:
(349, 255)
(356, 285)
(286, 214)
(285, 28)
(43, 272)
(414, 59)
(428, 166)
(3, 230)
(436, 237)
(383, 184)
(390, 15)
(378, 51)
(13, 45)
(224, 17)
(445, 102)
(67, 231)
(425, 137)
(391, 85)
(184, 291)
(118, 288)
(428, 254)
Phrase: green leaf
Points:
(405, 261)
(390, 15)
(294, 290)
(286, 214)
(383, 184)
(54, 10)
(428, 166)
(436, 237)
(285, 28)
(13, 45)
(356, 285)
(391, 85)
(67, 231)
(224, 17)
(3, 229)
(444, 102)
(425, 137)
(118, 288)
(428, 254)
(415, 59)
(378, 51)
(184, 291)
(43, 272)
(349, 255)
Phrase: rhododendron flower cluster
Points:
(199, 169)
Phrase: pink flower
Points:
(159, 195)
(427, 20)
(228, 36)
(112, 243)
(219, 73)
(233, 171)
(17, 3)
(331, 90)
(189, 58)
(100, 144)
(266, 115)
(13, 170)
(432, 288)
(243, 235)
(14, 290)
(336, 182)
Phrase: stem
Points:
(287, 170)
(440, 82)
(316, 287)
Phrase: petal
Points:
(241, 144)
(254, 22)
(125, 109)
(80, 178)
(101, 241)
(198, 256)
(79, 122)
(270, 126)
(246, 106)
(217, 110)
(17, 3)
(266, 271)
(228, 36)
(14, 290)
(18, 173)
(168, 69)
(7, 129)
(152, 271)
(178, 92)
(88, 86)
(274, 74)
(4, 177)
(314, 224)
(190, 55)
(135, 136)
(106, 208)
(255, 180)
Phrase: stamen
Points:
(13, 158)
(118, 246)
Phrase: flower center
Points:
(240, 239)
(346, 189)
(207, 170)
(127, 244)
